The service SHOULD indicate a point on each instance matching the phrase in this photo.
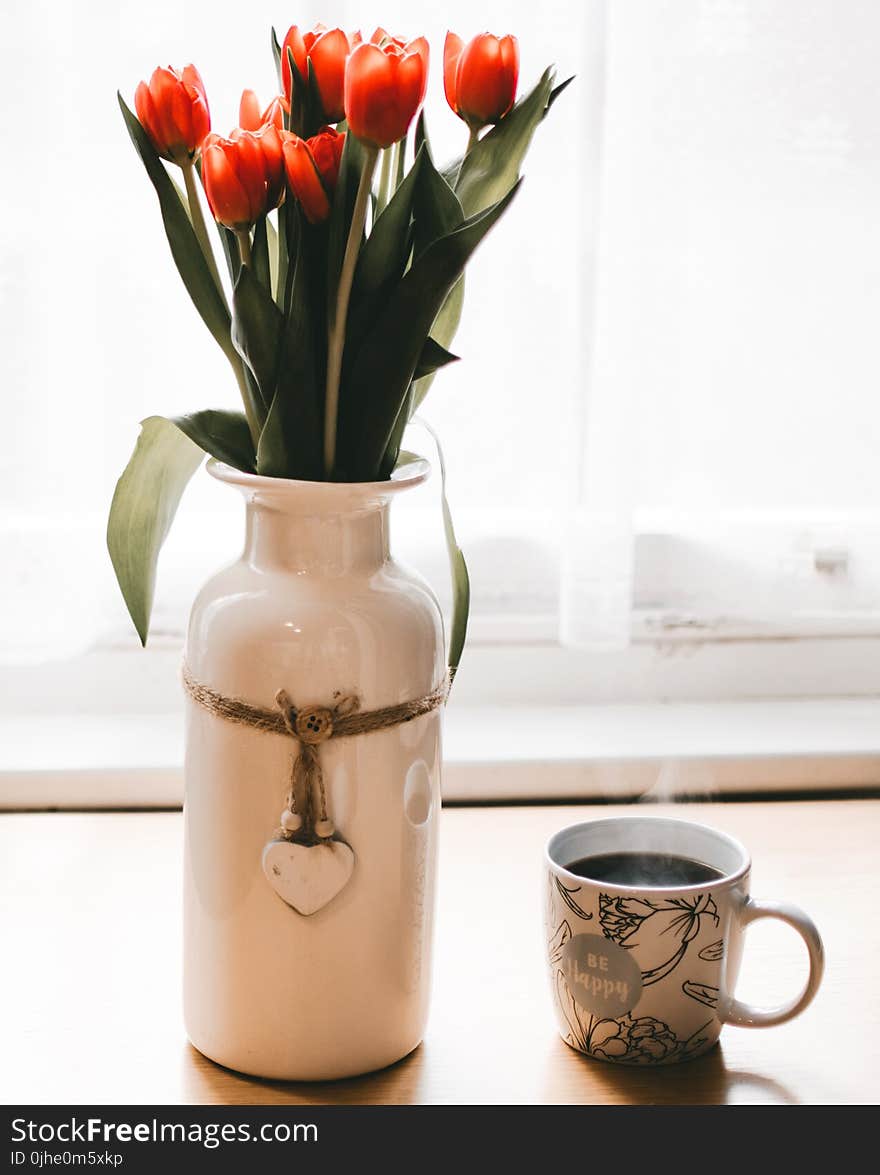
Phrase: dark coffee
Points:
(645, 869)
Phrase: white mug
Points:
(645, 974)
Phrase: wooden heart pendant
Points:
(307, 876)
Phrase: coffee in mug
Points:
(644, 923)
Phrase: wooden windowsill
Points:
(89, 990)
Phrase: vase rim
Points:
(328, 494)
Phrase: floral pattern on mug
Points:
(557, 943)
(639, 1040)
(703, 993)
(658, 931)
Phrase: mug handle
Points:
(748, 1016)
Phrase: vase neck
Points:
(329, 544)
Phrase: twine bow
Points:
(311, 726)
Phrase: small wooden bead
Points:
(291, 821)
(324, 828)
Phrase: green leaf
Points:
(350, 168)
(230, 250)
(392, 458)
(491, 167)
(290, 222)
(432, 358)
(421, 132)
(283, 246)
(276, 55)
(143, 508)
(306, 108)
(291, 440)
(185, 248)
(461, 584)
(274, 245)
(386, 251)
(382, 260)
(256, 333)
(554, 94)
(377, 377)
(315, 118)
(436, 208)
(443, 331)
(285, 449)
(273, 457)
(224, 435)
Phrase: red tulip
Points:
(312, 167)
(384, 87)
(249, 111)
(251, 119)
(327, 50)
(269, 138)
(480, 77)
(243, 175)
(276, 111)
(380, 37)
(326, 148)
(173, 110)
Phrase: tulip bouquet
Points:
(344, 246)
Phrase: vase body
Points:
(315, 605)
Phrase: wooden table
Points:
(89, 991)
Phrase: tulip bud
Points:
(327, 50)
(384, 87)
(251, 119)
(275, 112)
(312, 168)
(269, 138)
(480, 77)
(173, 110)
(249, 111)
(382, 38)
(243, 175)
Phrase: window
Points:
(662, 437)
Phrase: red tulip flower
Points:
(326, 148)
(480, 77)
(312, 167)
(173, 110)
(250, 118)
(384, 87)
(381, 37)
(243, 175)
(327, 50)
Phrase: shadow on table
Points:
(206, 1083)
(704, 1081)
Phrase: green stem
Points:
(201, 231)
(473, 139)
(243, 236)
(400, 161)
(384, 179)
(198, 222)
(336, 332)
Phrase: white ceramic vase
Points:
(315, 605)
